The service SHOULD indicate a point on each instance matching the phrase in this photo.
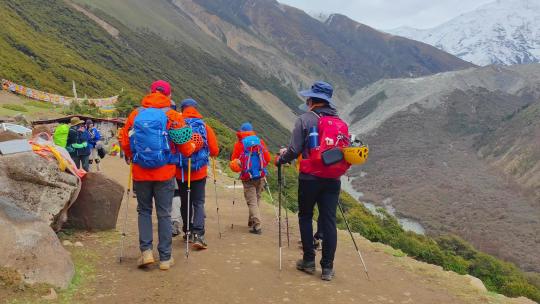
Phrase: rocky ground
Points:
(243, 268)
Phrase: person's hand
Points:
(282, 151)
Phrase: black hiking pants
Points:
(324, 193)
(196, 212)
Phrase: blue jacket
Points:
(95, 136)
(77, 142)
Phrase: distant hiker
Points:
(250, 158)
(77, 143)
(94, 143)
(318, 130)
(145, 143)
(206, 144)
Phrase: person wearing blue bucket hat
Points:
(319, 127)
(319, 91)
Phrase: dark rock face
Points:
(97, 205)
(339, 48)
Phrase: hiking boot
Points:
(306, 266)
(175, 228)
(147, 258)
(255, 230)
(166, 265)
(199, 242)
(327, 274)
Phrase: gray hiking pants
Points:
(161, 193)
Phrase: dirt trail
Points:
(243, 268)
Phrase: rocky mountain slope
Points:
(288, 43)
(502, 32)
(424, 136)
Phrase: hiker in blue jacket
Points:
(93, 142)
(77, 143)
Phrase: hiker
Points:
(154, 155)
(316, 131)
(206, 144)
(250, 158)
(94, 142)
(77, 143)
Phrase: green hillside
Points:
(48, 46)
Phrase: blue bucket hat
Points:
(319, 89)
(246, 127)
(188, 103)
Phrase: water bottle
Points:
(313, 137)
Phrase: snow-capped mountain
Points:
(502, 32)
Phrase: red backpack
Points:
(333, 136)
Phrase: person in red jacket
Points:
(206, 147)
(154, 183)
(253, 183)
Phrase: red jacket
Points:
(154, 100)
(239, 149)
(213, 148)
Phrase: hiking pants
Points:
(196, 211)
(81, 160)
(252, 193)
(324, 193)
(161, 193)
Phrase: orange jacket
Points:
(213, 148)
(155, 100)
(239, 149)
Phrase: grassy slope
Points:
(47, 53)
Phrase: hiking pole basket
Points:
(128, 196)
(188, 218)
(352, 237)
(215, 192)
(279, 214)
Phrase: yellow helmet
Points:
(356, 155)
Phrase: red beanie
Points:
(161, 86)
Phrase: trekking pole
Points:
(352, 237)
(188, 219)
(128, 196)
(286, 217)
(279, 214)
(233, 200)
(215, 192)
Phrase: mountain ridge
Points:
(502, 32)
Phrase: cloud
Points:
(388, 14)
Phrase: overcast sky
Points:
(389, 14)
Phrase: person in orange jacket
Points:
(206, 147)
(250, 158)
(153, 155)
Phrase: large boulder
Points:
(30, 247)
(97, 205)
(36, 185)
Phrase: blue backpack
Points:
(252, 159)
(150, 141)
(199, 158)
